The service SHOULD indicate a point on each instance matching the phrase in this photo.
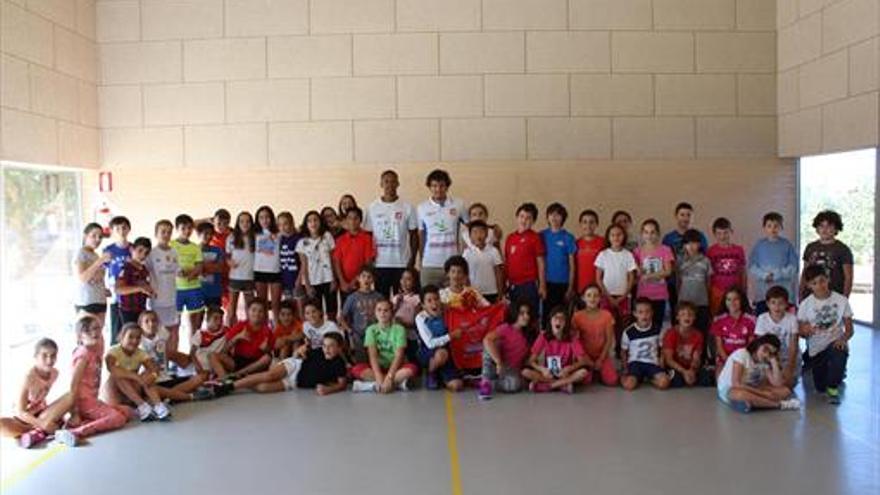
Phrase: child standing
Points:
(615, 274)
(505, 350)
(728, 264)
(693, 272)
(189, 282)
(267, 259)
(683, 348)
(556, 360)
(288, 333)
(291, 284)
(91, 296)
(164, 268)
(479, 212)
(772, 261)
(751, 378)
(433, 354)
(315, 325)
(595, 328)
(640, 349)
(589, 245)
(213, 266)
(829, 253)
(127, 383)
(387, 368)
(315, 250)
(625, 220)
(733, 330)
(560, 247)
(133, 283)
(118, 253)
(655, 266)
(359, 312)
(524, 252)
(240, 253)
(783, 324)
(221, 221)
(485, 266)
(684, 213)
(36, 420)
(354, 251)
(826, 321)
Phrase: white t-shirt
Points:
(466, 237)
(202, 352)
(826, 315)
(314, 335)
(163, 267)
(267, 253)
(92, 290)
(615, 266)
(156, 347)
(243, 257)
(642, 344)
(754, 374)
(391, 224)
(441, 225)
(481, 267)
(317, 253)
(784, 329)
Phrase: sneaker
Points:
(362, 386)
(145, 412)
(66, 437)
(222, 389)
(431, 382)
(792, 404)
(484, 392)
(31, 438)
(203, 393)
(162, 412)
(403, 386)
(833, 395)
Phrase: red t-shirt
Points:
(585, 261)
(521, 250)
(591, 328)
(250, 348)
(735, 333)
(728, 264)
(219, 241)
(353, 251)
(685, 348)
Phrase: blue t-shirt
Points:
(289, 261)
(211, 283)
(119, 257)
(559, 246)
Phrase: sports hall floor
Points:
(602, 441)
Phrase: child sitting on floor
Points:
(733, 330)
(127, 383)
(779, 321)
(386, 348)
(594, 326)
(433, 352)
(208, 340)
(557, 359)
(315, 325)
(505, 350)
(288, 330)
(683, 349)
(640, 349)
(751, 378)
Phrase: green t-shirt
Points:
(188, 254)
(387, 340)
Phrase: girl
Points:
(478, 211)
(267, 261)
(346, 202)
(407, 304)
(594, 327)
(248, 347)
(240, 253)
(127, 384)
(89, 415)
(291, 283)
(557, 360)
(625, 220)
(386, 347)
(751, 378)
(615, 275)
(36, 419)
(155, 341)
(332, 221)
(315, 249)
(589, 245)
(654, 261)
(733, 330)
(315, 326)
(505, 351)
(91, 294)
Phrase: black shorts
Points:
(93, 308)
(173, 381)
(241, 285)
(243, 362)
(267, 278)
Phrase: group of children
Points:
(337, 303)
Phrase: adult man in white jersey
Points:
(439, 220)
(394, 225)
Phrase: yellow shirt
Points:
(129, 362)
(188, 255)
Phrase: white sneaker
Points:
(362, 386)
(790, 404)
(65, 437)
(162, 412)
(145, 412)
(403, 386)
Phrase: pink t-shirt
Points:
(512, 345)
(735, 333)
(566, 351)
(91, 379)
(653, 262)
(728, 264)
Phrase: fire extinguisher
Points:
(103, 215)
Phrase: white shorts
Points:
(168, 315)
(292, 365)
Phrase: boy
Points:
(120, 253)
(459, 295)
(322, 369)
(683, 349)
(163, 267)
(829, 253)
(439, 219)
(133, 283)
(354, 251)
(221, 220)
(288, 332)
(434, 338)
(728, 264)
(693, 274)
(359, 312)
(386, 346)
(291, 285)
(773, 261)
(188, 281)
(683, 217)
(826, 321)
(640, 349)
(560, 249)
(213, 266)
(524, 252)
(588, 247)
(484, 261)
(784, 325)
(208, 340)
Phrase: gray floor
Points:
(602, 441)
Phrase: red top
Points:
(735, 333)
(521, 251)
(685, 348)
(250, 348)
(353, 251)
(219, 240)
(585, 261)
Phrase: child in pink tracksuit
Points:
(90, 415)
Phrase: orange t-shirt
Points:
(282, 331)
(591, 328)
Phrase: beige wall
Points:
(257, 83)
(828, 75)
(48, 74)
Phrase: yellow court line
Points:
(452, 442)
(27, 470)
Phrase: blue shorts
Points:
(447, 372)
(643, 371)
(190, 299)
